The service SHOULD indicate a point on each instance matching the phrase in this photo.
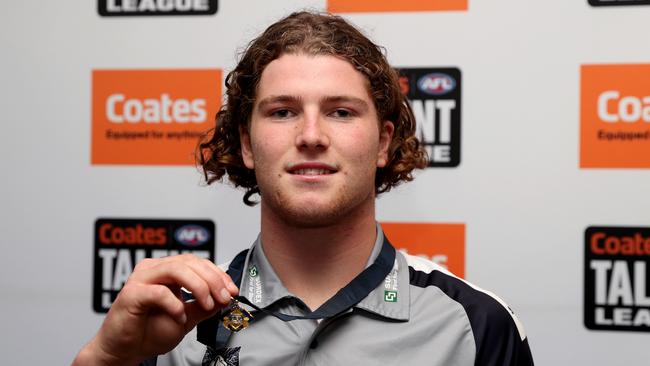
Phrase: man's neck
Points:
(314, 263)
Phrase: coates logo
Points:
(370, 6)
(135, 234)
(111, 8)
(435, 98)
(436, 84)
(616, 293)
(615, 116)
(618, 2)
(192, 235)
(443, 244)
(151, 116)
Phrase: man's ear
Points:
(246, 150)
(385, 138)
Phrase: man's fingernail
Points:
(183, 319)
(210, 302)
(224, 296)
(232, 287)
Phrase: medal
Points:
(236, 318)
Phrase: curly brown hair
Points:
(219, 151)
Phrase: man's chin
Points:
(310, 212)
(310, 216)
(313, 211)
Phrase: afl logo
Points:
(436, 84)
(192, 235)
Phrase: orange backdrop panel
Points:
(159, 140)
(347, 6)
(430, 240)
(630, 82)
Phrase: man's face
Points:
(315, 140)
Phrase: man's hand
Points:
(148, 317)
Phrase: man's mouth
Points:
(311, 169)
(311, 172)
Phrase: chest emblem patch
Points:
(223, 357)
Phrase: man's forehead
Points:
(324, 76)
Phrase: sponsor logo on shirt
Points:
(615, 116)
(254, 284)
(120, 244)
(435, 98)
(151, 117)
(616, 295)
(252, 271)
(390, 286)
(366, 6)
(390, 296)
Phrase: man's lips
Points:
(311, 169)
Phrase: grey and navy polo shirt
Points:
(417, 314)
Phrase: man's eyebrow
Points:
(358, 102)
(278, 99)
(333, 99)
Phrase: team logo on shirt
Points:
(223, 357)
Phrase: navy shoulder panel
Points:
(499, 336)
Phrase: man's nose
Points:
(312, 132)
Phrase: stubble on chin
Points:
(311, 214)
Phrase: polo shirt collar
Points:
(262, 286)
(392, 298)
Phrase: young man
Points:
(316, 125)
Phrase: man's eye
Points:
(342, 113)
(281, 113)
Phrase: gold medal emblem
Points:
(237, 318)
